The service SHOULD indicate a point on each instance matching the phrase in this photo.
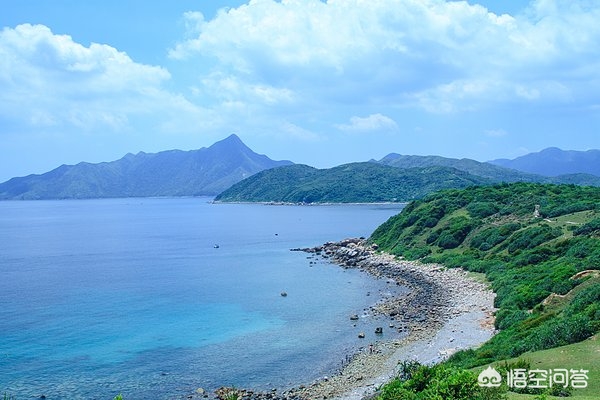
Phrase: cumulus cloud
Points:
(437, 55)
(371, 123)
(49, 80)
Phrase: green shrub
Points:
(505, 318)
(523, 257)
(585, 299)
(591, 228)
(452, 235)
(492, 236)
(532, 237)
(480, 209)
(437, 382)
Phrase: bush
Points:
(565, 330)
(533, 256)
(482, 209)
(437, 382)
(591, 228)
(454, 233)
(586, 302)
(582, 247)
(505, 318)
(447, 240)
(492, 236)
(532, 237)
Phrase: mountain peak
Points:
(233, 138)
(230, 143)
(207, 171)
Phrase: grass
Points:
(582, 355)
(556, 303)
(478, 277)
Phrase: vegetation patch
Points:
(532, 242)
(365, 182)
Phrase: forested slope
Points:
(532, 241)
(349, 183)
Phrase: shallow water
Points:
(99, 297)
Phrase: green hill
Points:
(391, 179)
(529, 240)
(486, 170)
(350, 183)
(537, 244)
(577, 173)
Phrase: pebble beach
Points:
(444, 310)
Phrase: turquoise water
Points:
(99, 297)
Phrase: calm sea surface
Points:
(131, 296)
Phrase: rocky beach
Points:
(444, 310)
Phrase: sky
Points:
(316, 82)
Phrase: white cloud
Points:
(297, 132)
(48, 80)
(437, 55)
(371, 123)
(496, 133)
(232, 87)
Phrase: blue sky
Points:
(316, 82)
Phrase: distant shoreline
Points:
(284, 203)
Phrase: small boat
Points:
(216, 246)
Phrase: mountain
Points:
(206, 171)
(554, 162)
(349, 183)
(494, 172)
(485, 170)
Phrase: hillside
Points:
(554, 162)
(578, 173)
(206, 171)
(349, 183)
(530, 240)
(486, 170)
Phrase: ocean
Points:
(157, 297)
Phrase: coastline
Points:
(444, 311)
(291, 203)
(458, 310)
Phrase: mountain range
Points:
(203, 172)
(393, 178)
(554, 162)
(233, 172)
(579, 167)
